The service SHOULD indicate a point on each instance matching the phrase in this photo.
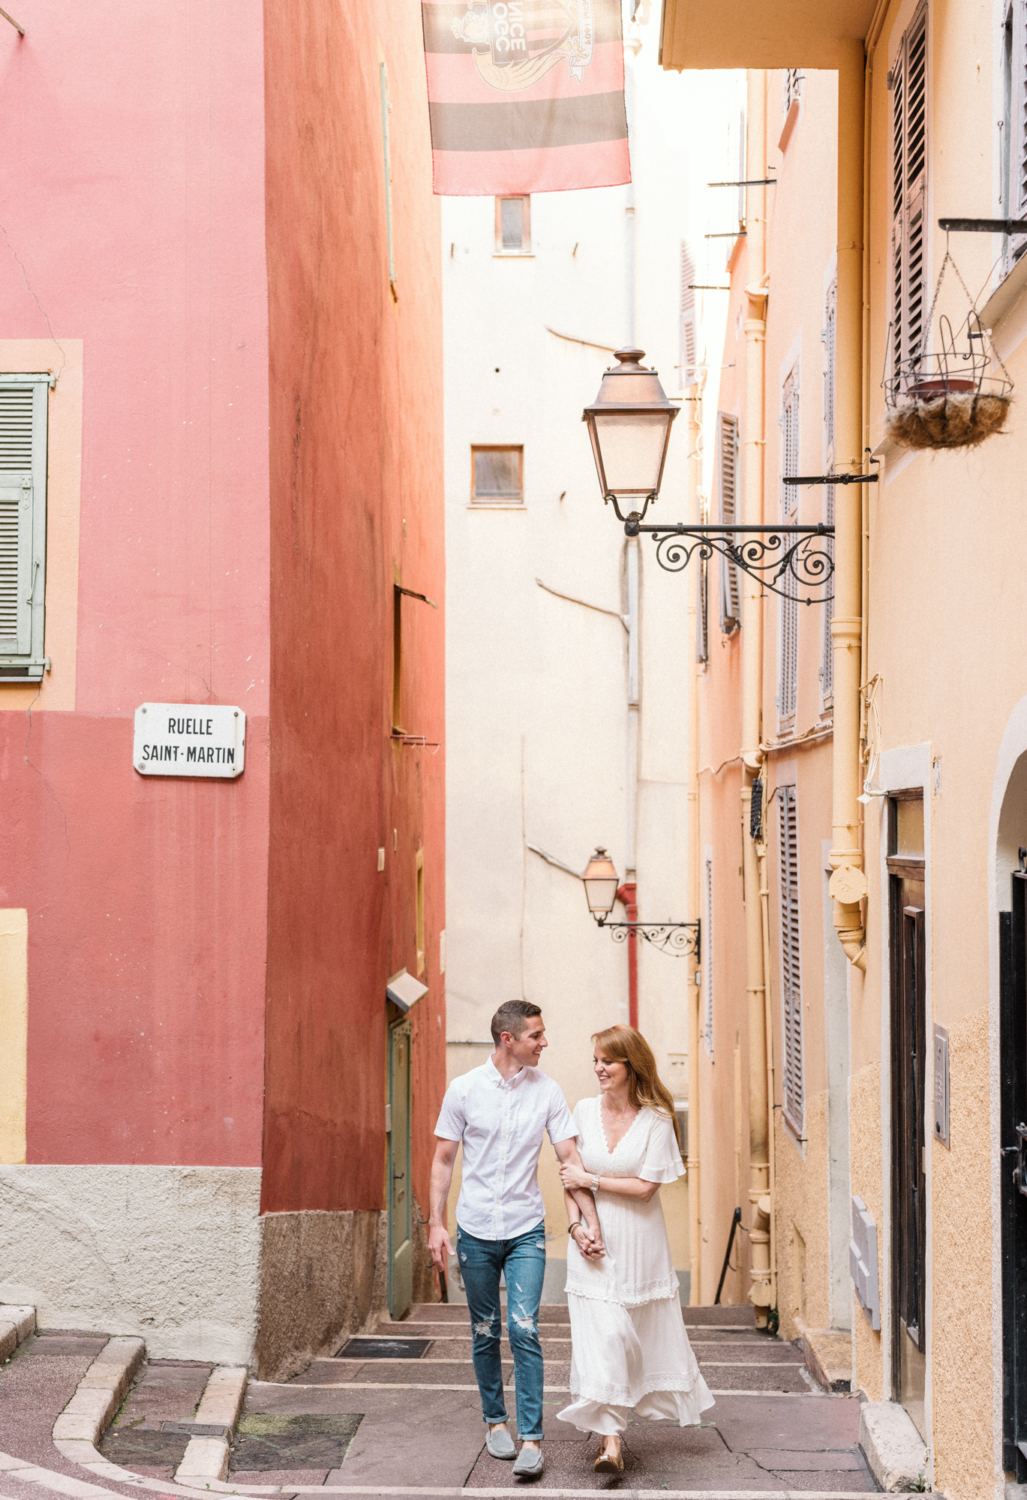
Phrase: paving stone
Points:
(826, 1479)
(783, 1458)
(280, 1441)
(279, 1476)
(413, 1437)
(821, 1422)
(60, 1344)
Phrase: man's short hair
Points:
(512, 1016)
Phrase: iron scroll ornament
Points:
(677, 938)
(783, 559)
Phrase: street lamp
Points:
(629, 425)
(603, 888)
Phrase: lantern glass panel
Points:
(632, 445)
(600, 894)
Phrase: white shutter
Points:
(687, 356)
(23, 414)
(727, 484)
(707, 950)
(788, 642)
(909, 190)
(791, 985)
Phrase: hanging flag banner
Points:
(525, 96)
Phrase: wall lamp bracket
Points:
(787, 560)
(677, 938)
(985, 226)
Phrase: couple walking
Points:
(630, 1354)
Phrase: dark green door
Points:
(401, 1249)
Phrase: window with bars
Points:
(707, 951)
(792, 89)
(513, 225)
(909, 191)
(791, 980)
(23, 422)
(727, 494)
(788, 618)
(830, 367)
(687, 342)
(702, 610)
(1013, 194)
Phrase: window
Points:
(1013, 189)
(383, 79)
(791, 984)
(513, 226)
(830, 366)
(702, 611)
(792, 89)
(909, 191)
(23, 423)
(497, 476)
(788, 619)
(727, 485)
(687, 356)
(707, 951)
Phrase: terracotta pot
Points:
(941, 385)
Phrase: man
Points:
(500, 1112)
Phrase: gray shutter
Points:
(727, 485)
(909, 190)
(686, 326)
(791, 984)
(18, 472)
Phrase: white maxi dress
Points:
(630, 1354)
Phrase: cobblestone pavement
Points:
(396, 1425)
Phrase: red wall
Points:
(133, 214)
(356, 487)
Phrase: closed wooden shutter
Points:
(687, 340)
(909, 191)
(788, 645)
(830, 371)
(23, 412)
(727, 486)
(791, 983)
(707, 951)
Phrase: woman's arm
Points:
(628, 1187)
(590, 1243)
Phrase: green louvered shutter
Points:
(23, 412)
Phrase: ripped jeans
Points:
(524, 1262)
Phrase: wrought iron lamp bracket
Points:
(677, 938)
(632, 515)
(783, 559)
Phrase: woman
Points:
(630, 1354)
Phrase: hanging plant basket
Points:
(951, 397)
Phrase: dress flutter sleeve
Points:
(662, 1158)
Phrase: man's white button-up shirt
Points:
(501, 1123)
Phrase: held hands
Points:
(589, 1240)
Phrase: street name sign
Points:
(189, 739)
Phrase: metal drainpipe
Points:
(760, 1205)
(848, 882)
(692, 476)
(627, 893)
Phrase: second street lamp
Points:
(603, 888)
(629, 425)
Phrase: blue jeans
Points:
(524, 1262)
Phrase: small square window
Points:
(513, 226)
(497, 476)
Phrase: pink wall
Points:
(133, 214)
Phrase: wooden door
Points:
(401, 1248)
(909, 1105)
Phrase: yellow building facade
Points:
(859, 1032)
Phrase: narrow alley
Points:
(397, 1412)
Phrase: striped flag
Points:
(525, 96)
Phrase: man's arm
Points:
(567, 1153)
(442, 1166)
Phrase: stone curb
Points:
(16, 1323)
(893, 1448)
(97, 1397)
(206, 1458)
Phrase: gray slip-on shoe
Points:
(529, 1462)
(499, 1443)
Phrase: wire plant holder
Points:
(949, 397)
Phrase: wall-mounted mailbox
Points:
(863, 1262)
(941, 1085)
